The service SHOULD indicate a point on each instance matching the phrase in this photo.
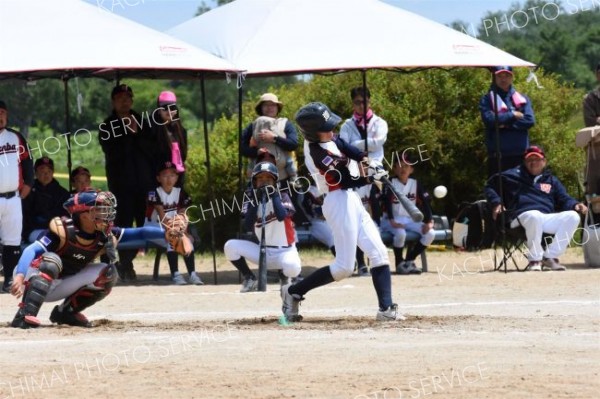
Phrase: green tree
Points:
(435, 111)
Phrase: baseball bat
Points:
(262, 258)
(415, 214)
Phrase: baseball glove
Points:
(175, 234)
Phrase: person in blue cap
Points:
(515, 118)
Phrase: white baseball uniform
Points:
(337, 163)
(279, 238)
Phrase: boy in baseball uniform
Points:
(398, 221)
(279, 229)
(163, 204)
(335, 162)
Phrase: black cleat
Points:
(72, 319)
(25, 321)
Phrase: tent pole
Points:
(65, 80)
(209, 177)
(498, 153)
(240, 129)
(365, 110)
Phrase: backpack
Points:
(277, 126)
(474, 228)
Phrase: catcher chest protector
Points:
(474, 228)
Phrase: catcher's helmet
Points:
(263, 167)
(316, 117)
(102, 202)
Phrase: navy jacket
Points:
(43, 204)
(523, 192)
(514, 134)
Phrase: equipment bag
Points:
(474, 228)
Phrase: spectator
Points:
(398, 220)
(16, 179)
(537, 201)
(591, 104)
(277, 135)
(515, 118)
(374, 133)
(81, 178)
(171, 137)
(164, 203)
(44, 202)
(128, 148)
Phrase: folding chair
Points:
(511, 241)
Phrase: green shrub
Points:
(434, 109)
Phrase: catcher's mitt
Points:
(175, 234)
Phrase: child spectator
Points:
(164, 203)
(81, 178)
(398, 220)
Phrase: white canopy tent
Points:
(48, 38)
(267, 37)
(70, 38)
(277, 37)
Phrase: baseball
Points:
(440, 191)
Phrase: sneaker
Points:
(195, 279)
(5, 289)
(178, 279)
(363, 271)
(72, 319)
(249, 285)
(407, 267)
(412, 267)
(533, 266)
(291, 304)
(552, 264)
(389, 314)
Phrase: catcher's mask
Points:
(264, 167)
(101, 204)
(314, 118)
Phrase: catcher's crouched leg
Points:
(69, 312)
(36, 290)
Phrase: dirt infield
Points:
(470, 333)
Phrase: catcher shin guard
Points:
(69, 311)
(36, 290)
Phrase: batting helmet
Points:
(314, 118)
(263, 167)
(102, 202)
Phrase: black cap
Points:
(3, 105)
(44, 161)
(316, 117)
(80, 170)
(165, 166)
(122, 88)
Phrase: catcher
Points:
(59, 265)
(167, 205)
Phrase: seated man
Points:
(537, 201)
(45, 201)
